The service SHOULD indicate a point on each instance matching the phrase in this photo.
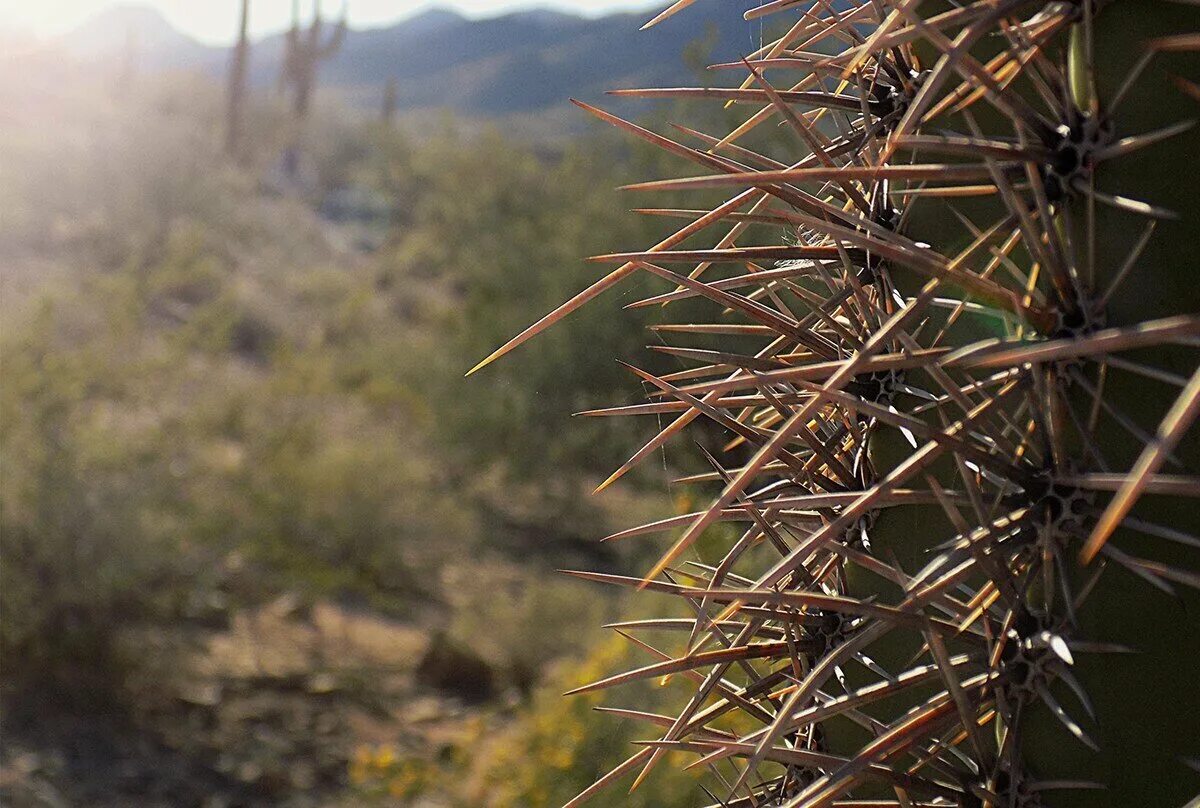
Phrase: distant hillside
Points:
(517, 64)
(132, 28)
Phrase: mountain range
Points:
(522, 63)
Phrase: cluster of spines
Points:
(1003, 431)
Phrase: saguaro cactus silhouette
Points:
(388, 111)
(304, 50)
(237, 83)
(959, 374)
(128, 62)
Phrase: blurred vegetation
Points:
(219, 390)
(499, 231)
(552, 752)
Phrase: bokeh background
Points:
(260, 542)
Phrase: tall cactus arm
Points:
(337, 38)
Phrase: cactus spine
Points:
(960, 406)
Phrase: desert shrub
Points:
(561, 746)
(551, 750)
(206, 375)
(184, 403)
(87, 537)
(505, 240)
(520, 620)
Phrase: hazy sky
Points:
(215, 20)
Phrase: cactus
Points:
(237, 83)
(128, 62)
(303, 53)
(388, 111)
(956, 330)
